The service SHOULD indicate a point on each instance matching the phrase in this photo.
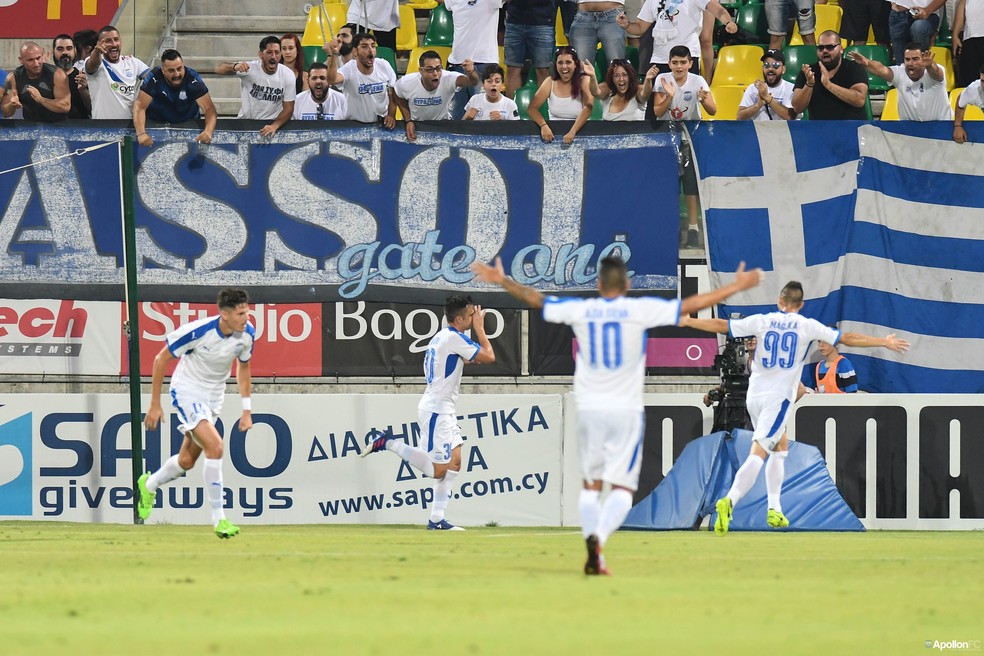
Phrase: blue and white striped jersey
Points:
(784, 339)
(443, 363)
(206, 355)
(611, 345)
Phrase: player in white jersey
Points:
(609, 373)
(784, 341)
(207, 349)
(439, 453)
(114, 78)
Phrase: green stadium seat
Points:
(440, 32)
(751, 18)
(523, 96)
(796, 56)
(313, 54)
(382, 52)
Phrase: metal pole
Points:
(132, 323)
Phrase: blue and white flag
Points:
(882, 223)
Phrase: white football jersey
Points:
(206, 355)
(783, 342)
(113, 87)
(611, 345)
(443, 363)
(428, 105)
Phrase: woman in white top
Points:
(621, 95)
(569, 92)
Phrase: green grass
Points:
(162, 589)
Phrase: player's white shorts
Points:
(439, 435)
(769, 413)
(194, 408)
(610, 443)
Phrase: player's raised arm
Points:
(891, 342)
(485, 354)
(743, 280)
(707, 325)
(497, 275)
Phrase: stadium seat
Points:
(559, 35)
(945, 59)
(890, 112)
(740, 65)
(751, 18)
(727, 99)
(878, 54)
(944, 36)
(440, 32)
(523, 96)
(313, 54)
(828, 18)
(414, 64)
(406, 33)
(328, 17)
(383, 52)
(796, 56)
(423, 5)
(971, 112)
(597, 111)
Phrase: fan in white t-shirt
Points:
(366, 81)
(320, 102)
(267, 87)
(491, 105)
(426, 95)
(920, 81)
(679, 92)
(972, 95)
(114, 79)
(771, 98)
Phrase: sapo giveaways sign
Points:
(67, 457)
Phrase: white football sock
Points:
(417, 458)
(617, 505)
(213, 488)
(589, 506)
(745, 478)
(442, 494)
(775, 472)
(169, 471)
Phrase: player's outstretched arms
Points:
(497, 276)
(743, 280)
(891, 342)
(707, 325)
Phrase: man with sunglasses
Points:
(426, 95)
(834, 88)
(320, 102)
(771, 99)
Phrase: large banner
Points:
(881, 223)
(350, 213)
(67, 457)
(33, 19)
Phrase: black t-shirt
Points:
(45, 84)
(531, 12)
(825, 105)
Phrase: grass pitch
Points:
(140, 590)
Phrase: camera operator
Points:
(735, 366)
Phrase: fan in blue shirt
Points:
(172, 93)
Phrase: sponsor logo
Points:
(31, 328)
(16, 480)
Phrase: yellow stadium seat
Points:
(328, 17)
(890, 112)
(414, 64)
(406, 33)
(945, 59)
(425, 5)
(559, 35)
(828, 18)
(971, 112)
(727, 99)
(740, 65)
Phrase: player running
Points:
(608, 382)
(206, 349)
(784, 341)
(447, 352)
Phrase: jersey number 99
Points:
(780, 349)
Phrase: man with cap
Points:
(771, 99)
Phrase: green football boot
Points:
(723, 507)
(776, 519)
(226, 529)
(145, 501)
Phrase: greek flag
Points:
(882, 223)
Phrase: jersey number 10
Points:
(606, 338)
